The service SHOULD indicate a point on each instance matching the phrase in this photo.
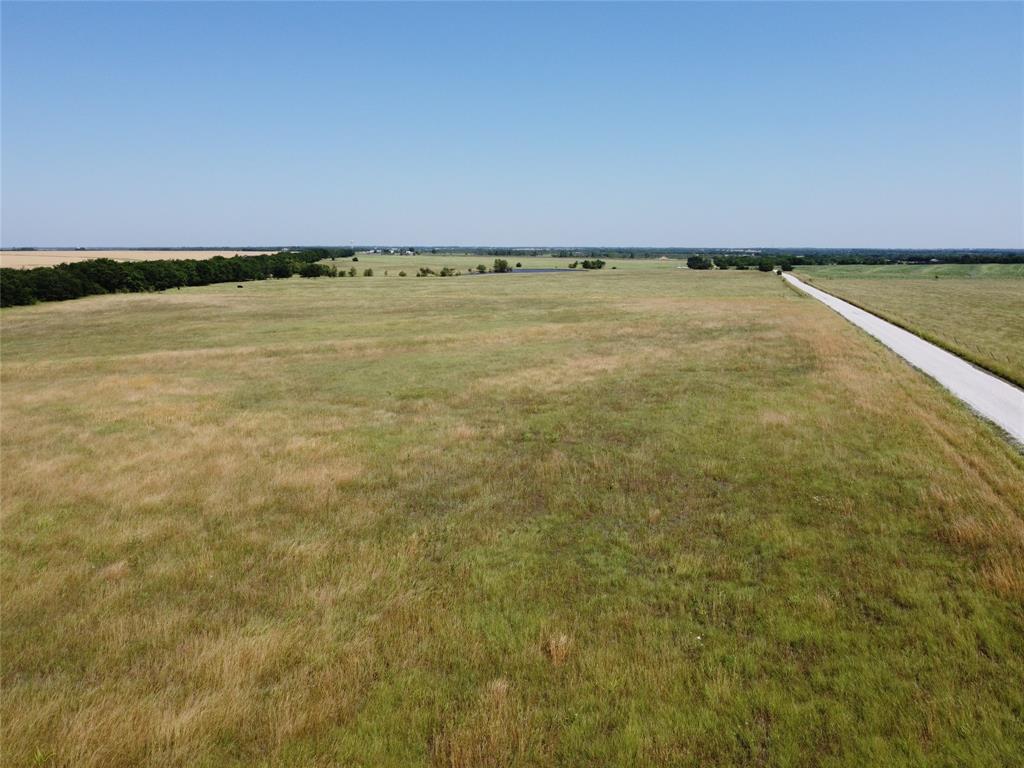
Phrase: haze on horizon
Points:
(735, 124)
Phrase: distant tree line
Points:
(749, 258)
(320, 254)
(764, 264)
(97, 276)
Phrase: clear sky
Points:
(729, 124)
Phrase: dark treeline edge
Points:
(97, 276)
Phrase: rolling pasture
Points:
(643, 516)
(467, 262)
(974, 310)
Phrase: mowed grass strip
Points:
(974, 310)
(653, 517)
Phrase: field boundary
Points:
(966, 355)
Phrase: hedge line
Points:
(96, 276)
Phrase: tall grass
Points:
(643, 517)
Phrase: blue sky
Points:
(732, 124)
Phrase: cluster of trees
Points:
(588, 264)
(763, 264)
(314, 270)
(97, 276)
(500, 265)
(321, 254)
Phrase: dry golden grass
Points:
(558, 647)
(494, 733)
(44, 258)
(632, 518)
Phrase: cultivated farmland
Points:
(643, 516)
(44, 258)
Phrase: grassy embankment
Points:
(636, 517)
(973, 310)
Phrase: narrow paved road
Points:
(988, 395)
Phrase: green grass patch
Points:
(637, 517)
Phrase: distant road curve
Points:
(988, 395)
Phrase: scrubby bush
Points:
(446, 272)
(592, 264)
(355, 258)
(401, 274)
(367, 272)
(481, 268)
(501, 265)
(352, 272)
(519, 265)
(698, 262)
(764, 265)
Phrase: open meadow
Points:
(643, 516)
(467, 262)
(974, 310)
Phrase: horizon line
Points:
(264, 246)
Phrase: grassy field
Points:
(395, 263)
(638, 517)
(974, 310)
(918, 271)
